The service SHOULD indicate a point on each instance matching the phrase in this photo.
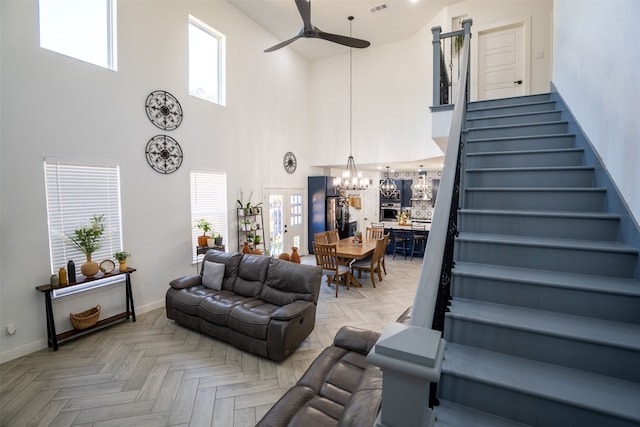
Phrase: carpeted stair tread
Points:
(449, 414)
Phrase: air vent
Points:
(378, 8)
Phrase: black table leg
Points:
(130, 307)
(51, 326)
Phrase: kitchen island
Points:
(394, 229)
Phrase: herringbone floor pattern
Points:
(156, 373)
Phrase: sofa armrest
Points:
(290, 311)
(356, 339)
(186, 282)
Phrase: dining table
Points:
(348, 250)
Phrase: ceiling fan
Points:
(311, 32)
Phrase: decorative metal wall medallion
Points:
(164, 154)
(164, 110)
(289, 162)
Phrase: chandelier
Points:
(387, 186)
(351, 179)
(419, 187)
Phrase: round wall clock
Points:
(289, 162)
(164, 154)
(164, 110)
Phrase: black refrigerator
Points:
(326, 209)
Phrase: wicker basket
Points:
(86, 319)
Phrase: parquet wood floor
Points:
(156, 373)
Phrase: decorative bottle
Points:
(246, 249)
(71, 271)
(62, 276)
(295, 256)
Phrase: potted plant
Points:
(87, 240)
(357, 237)
(218, 240)
(122, 256)
(205, 226)
(257, 239)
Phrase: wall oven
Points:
(389, 211)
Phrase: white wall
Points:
(55, 105)
(595, 70)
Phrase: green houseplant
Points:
(121, 257)
(206, 227)
(87, 240)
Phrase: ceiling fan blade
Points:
(304, 7)
(282, 44)
(343, 40)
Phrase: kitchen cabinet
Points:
(405, 200)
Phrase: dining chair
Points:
(321, 237)
(327, 259)
(375, 233)
(419, 234)
(333, 236)
(372, 265)
(377, 225)
(387, 242)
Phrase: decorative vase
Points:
(295, 256)
(218, 241)
(284, 256)
(246, 249)
(123, 264)
(211, 242)
(89, 268)
(202, 240)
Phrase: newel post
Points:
(436, 64)
(410, 358)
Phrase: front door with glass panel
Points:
(285, 219)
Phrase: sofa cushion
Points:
(231, 263)
(301, 406)
(251, 275)
(212, 275)
(188, 300)
(252, 318)
(216, 308)
(287, 282)
(364, 404)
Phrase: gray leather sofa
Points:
(262, 305)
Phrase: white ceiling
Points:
(399, 20)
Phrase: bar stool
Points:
(419, 235)
(400, 243)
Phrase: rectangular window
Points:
(75, 193)
(208, 201)
(206, 62)
(82, 29)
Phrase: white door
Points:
(285, 224)
(501, 63)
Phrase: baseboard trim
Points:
(27, 349)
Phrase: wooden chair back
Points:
(333, 236)
(375, 233)
(322, 238)
(377, 225)
(326, 256)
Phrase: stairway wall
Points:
(629, 229)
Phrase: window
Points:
(82, 29)
(206, 62)
(208, 201)
(75, 193)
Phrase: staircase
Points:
(544, 324)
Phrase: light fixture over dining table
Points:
(351, 179)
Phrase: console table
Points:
(54, 338)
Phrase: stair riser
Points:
(540, 346)
(517, 144)
(509, 101)
(515, 131)
(572, 201)
(521, 407)
(558, 178)
(574, 260)
(513, 109)
(565, 227)
(518, 119)
(530, 159)
(619, 308)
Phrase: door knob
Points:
(518, 82)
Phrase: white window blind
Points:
(75, 193)
(208, 201)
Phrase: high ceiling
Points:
(393, 20)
